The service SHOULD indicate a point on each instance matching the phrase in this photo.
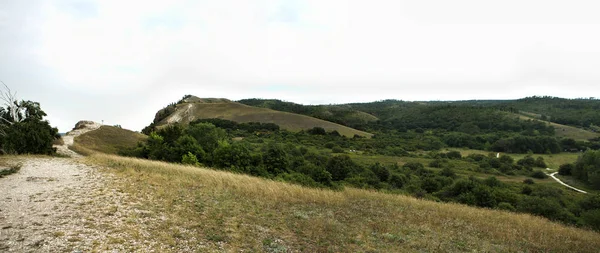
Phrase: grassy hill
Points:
(196, 108)
(107, 139)
(198, 209)
(342, 114)
(563, 131)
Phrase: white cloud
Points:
(153, 52)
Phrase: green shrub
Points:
(539, 162)
(337, 150)
(454, 155)
(190, 159)
(591, 219)
(506, 206)
(539, 174)
(527, 190)
(528, 181)
(565, 169)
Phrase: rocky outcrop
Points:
(80, 128)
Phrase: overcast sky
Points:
(121, 61)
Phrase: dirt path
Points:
(80, 128)
(561, 182)
(62, 205)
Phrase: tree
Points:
(22, 128)
(275, 159)
(340, 167)
(565, 169)
(208, 136)
(382, 172)
(234, 157)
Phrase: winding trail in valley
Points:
(552, 175)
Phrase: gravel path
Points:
(561, 182)
(62, 205)
(81, 128)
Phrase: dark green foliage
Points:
(234, 157)
(448, 172)
(591, 202)
(32, 135)
(431, 184)
(275, 159)
(207, 135)
(587, 168)
(591, 219)
(317, 131)
(506, 206)
(539, 162)
(539, 174)
(380, 171)
(413, 166)
(547, 207)
(527, 161)
(527, 190)
(341, 166)
(437, 163)
(575, 112)
(528, 181)
(565, 169)
(523, 144)
(454, 155)
(493, 182)
(505, 159)
(337, 150)
(398, 180)
(29, 137)
(318, 174)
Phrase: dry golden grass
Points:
(221, 211)
(233, 111)
(107, 139)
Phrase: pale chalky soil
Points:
(61, 205)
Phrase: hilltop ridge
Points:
(191, 108)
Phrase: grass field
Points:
(188, 112)
(107, 139)
(209, 211)
(565, 131)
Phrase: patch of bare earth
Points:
(62, 205)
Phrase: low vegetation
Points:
(226, 211)
(8, 168)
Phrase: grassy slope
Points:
(220, 211)
(108, 139)
(187, 112)
(565, 131)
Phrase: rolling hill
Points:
(107, 139)
(193, 108)
(563, 131)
